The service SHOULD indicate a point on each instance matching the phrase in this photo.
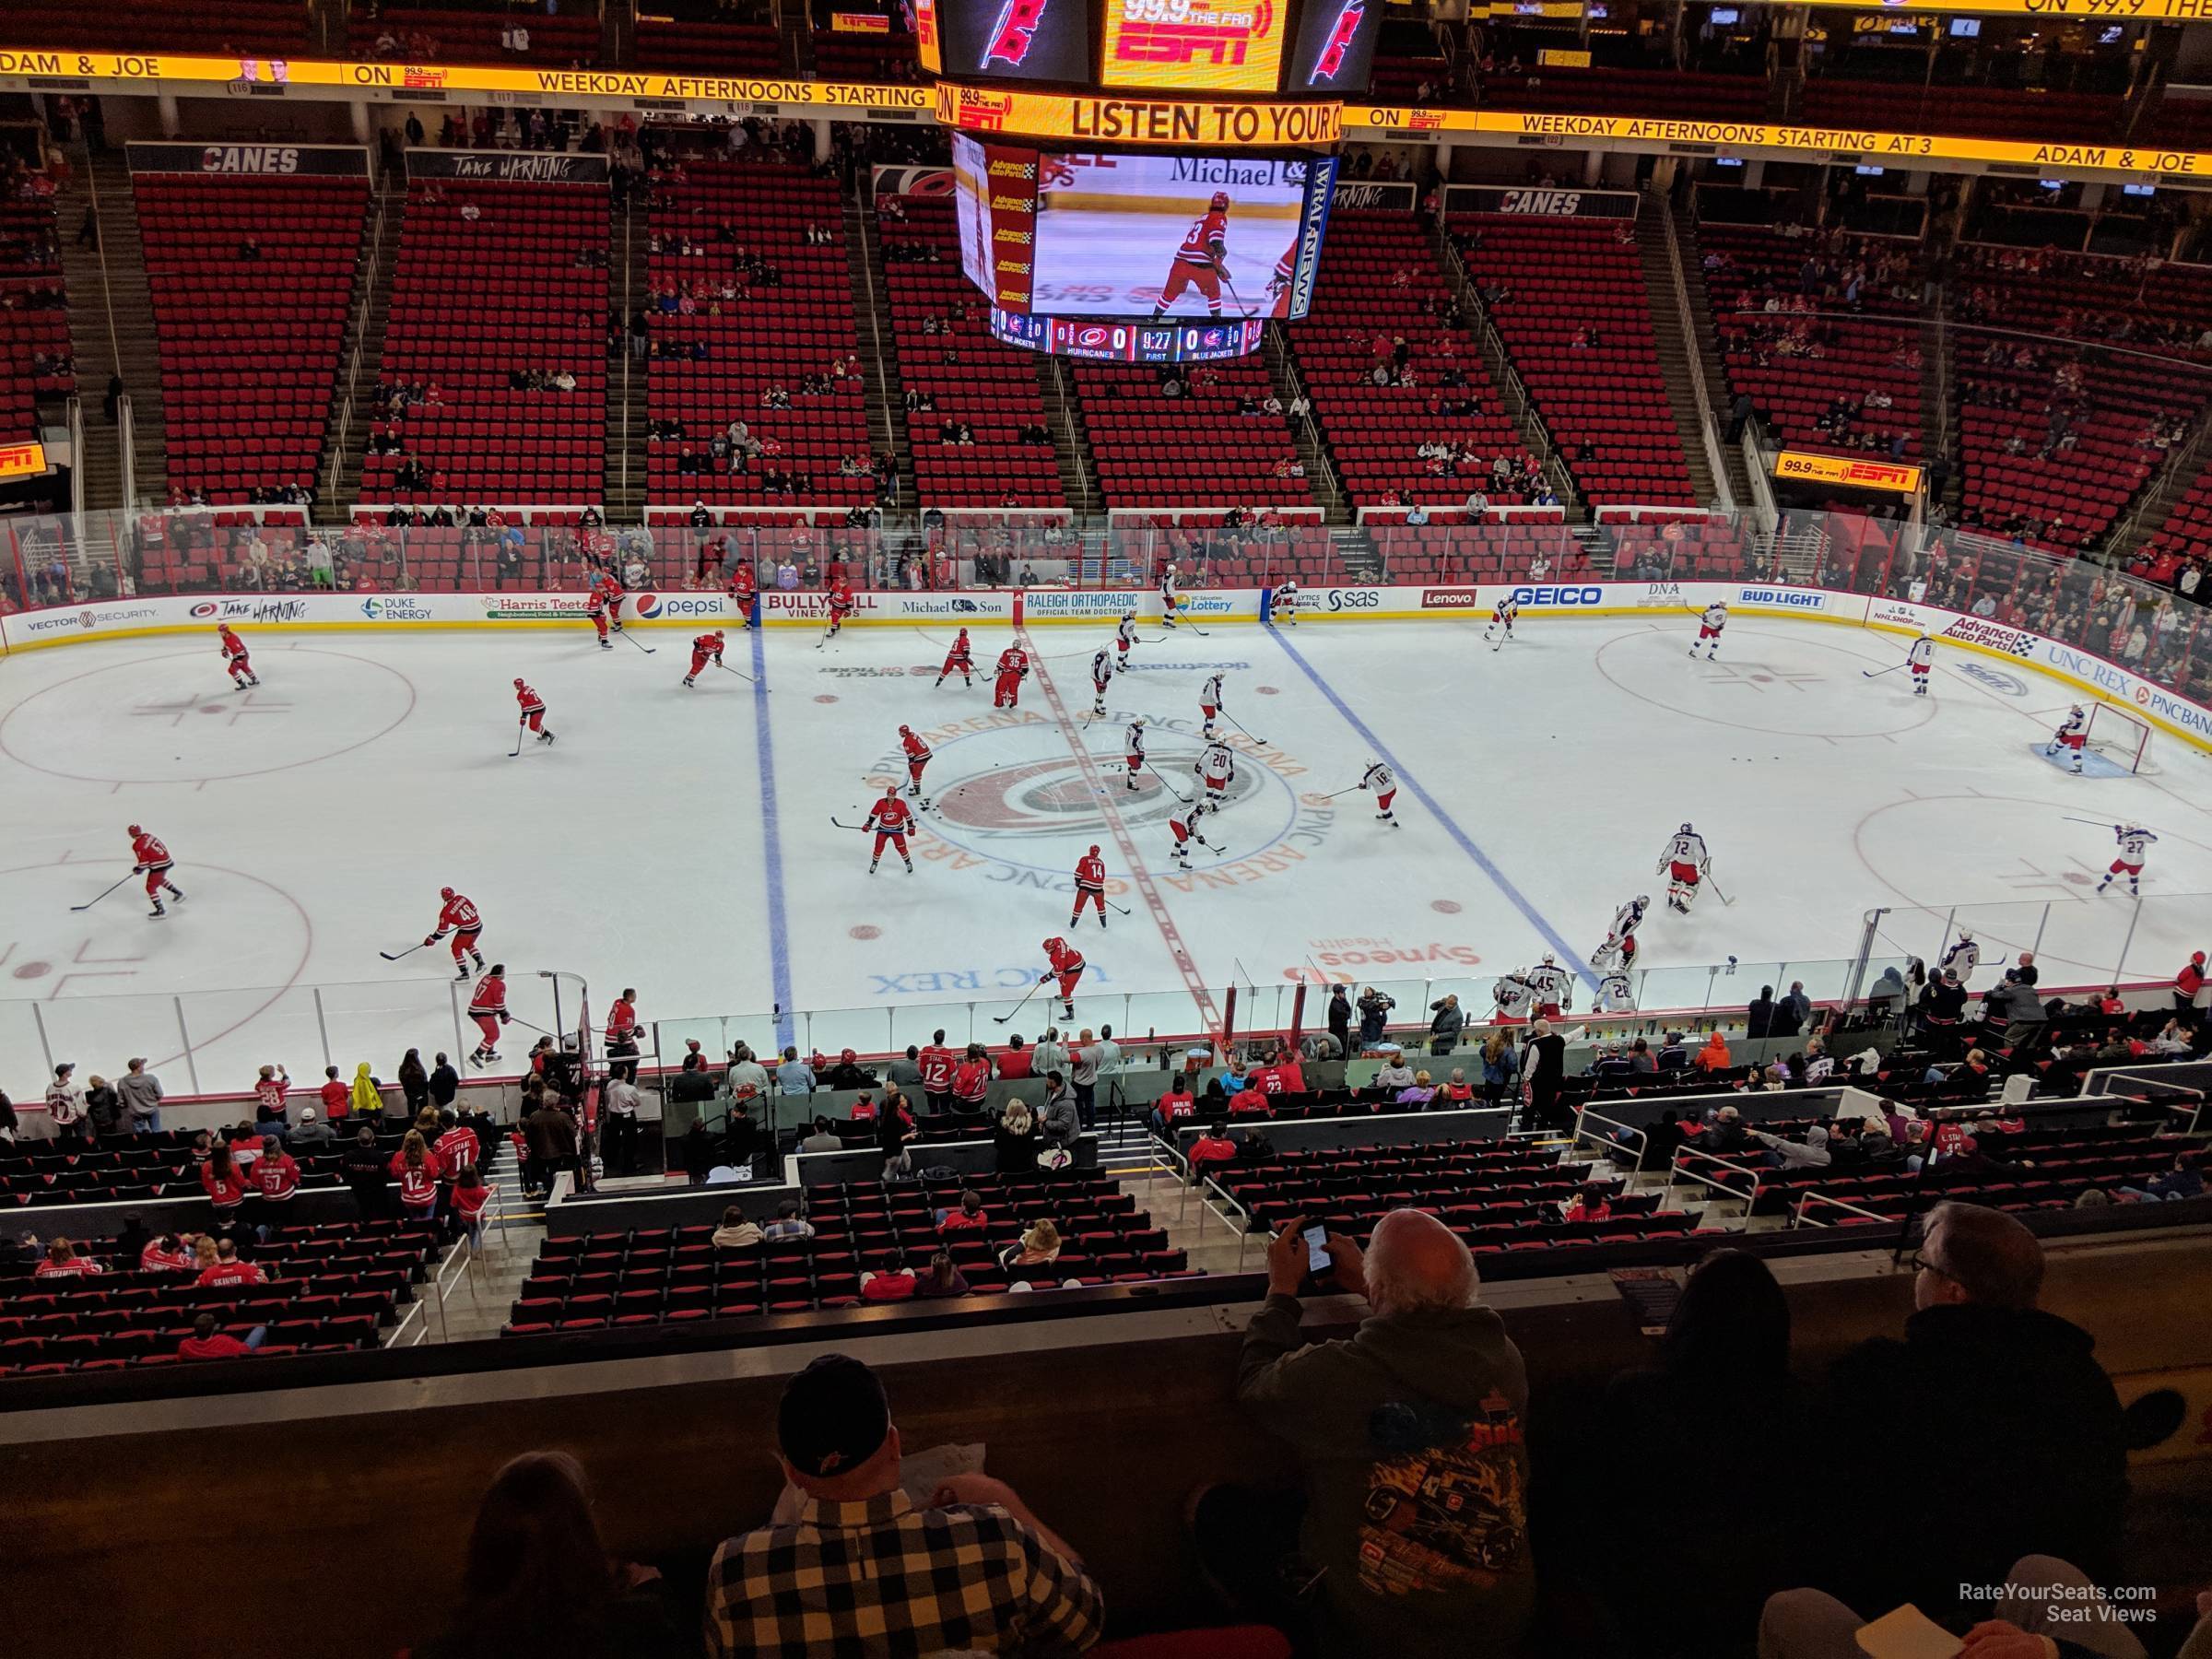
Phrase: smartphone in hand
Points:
(1317, 1249)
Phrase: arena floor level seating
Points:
(771, 315)
(587, 1281)
(331, 1287)
(1381, 283)
(489, 287)
(251, 280)
(945, 351)
(1577, 324)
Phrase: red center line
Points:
(1140, 878)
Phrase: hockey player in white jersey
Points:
(1684, 864)
(1167, 596)
(1216, 769)
(1183, 824)
(1619, 948)
(1282, 607)
(1710, 622)
(1613, 995)
(1210, 703)
(1515, 997)
(1555, 987)
(1920, 658)
(1961, 955)
(1125, 636)
(2073, 735)
(1384, 783)
(1503, 616)
(1101, 676)
(2133, 839)
(1132, 749)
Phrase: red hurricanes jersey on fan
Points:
(490, 996)
(621, 1020)
(1205, 242)
(1090, 872)
(915, 749)
(459, 916)
(892, 816)
(148, 849)
(457, 1148)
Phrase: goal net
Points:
(2123, 738)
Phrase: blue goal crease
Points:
(1566, 953)
(771, 847)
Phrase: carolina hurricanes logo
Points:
(1053, 797)
(1014, 33)
(206, 608)
(1331, 63)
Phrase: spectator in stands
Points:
(141, 1092)
(825, 1137)
(1812, 1153)
(364, 1170)
(1038, 1247)
(2022, 1449)
(229, 1269)
(1176, 1105)
(968, 1216)
(63, 1261)
(1545, 1065)
(1374, 1011)
(207, 1342)
(973, 1572)
(1712, 1057)
(942, 1279)
(1418, 1093)
(550, 1135)
(794, 1077)
(894, 1281)
(1446, 1024)
(1429, 1382)
(1394, 1074)
(895, 1132)
(2190, 989)
(226, 1184)
(738, 1231)
(789, 1223)
(537, 1581)
(1015, 1063)
(1760, 1014)
(416, 1170)
(470, 1198)
(414, 1081)
(2182, 1180)
(1501, 1068)
(65, 1106)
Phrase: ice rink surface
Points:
(680, 841)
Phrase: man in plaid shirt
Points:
(862, 1570)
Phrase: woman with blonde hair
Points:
(1039, 1246)
(1015, 1139)
(416, 1167)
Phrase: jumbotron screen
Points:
(1184, 238)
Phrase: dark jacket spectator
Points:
(1728, 1340)
(1374, 1010)
(364, 1168)
(1015, 1138)
(445, 1083)
(415, 1082)
(1760, 1014)
(1446, 1024)
(1340, 1020)
(2018, 1446)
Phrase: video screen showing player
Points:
(1186, 237)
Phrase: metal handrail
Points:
(127, 448)
(1757, 1173)
(1709, 435)
(340, 439)
(1312, 427)
(73, 419)
(1799, 1218)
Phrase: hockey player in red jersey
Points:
(1278, 285)
(891, 818)
(960, 659)
(1013, 668)
(917, 756)
(610, 591)
(533, 709)
(152, 860)
(1090, 886)
(841, 604)
(235, 655)
(487, 1007)
(743, 586)
(706, 648)
(594, 607)
(457, 915)
(1202, 261)
(1067, 968)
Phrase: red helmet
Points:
(906, 731)
(1054, 943)
(1220, 199)
(848, 1054)
(518, 685)
(445, 892)
(891, 792)
(136, 830)
(1094, 849)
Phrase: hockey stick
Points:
(1334, 793)
(1002, 1019)
(647, 650)
(1113, 907)
(1240, 726)
(842, 825)
(1878, 673)
(1716, 889)
(519, 728)
(826, 634)
(394, 956)
(102, 894)
(518, 1019)
(2100, 823)
(747, 678)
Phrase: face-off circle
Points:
(1759, 684)
(153, 719)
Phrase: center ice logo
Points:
(1054, 798)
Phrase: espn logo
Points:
(1151, 33)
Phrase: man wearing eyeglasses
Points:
(2008, 1438)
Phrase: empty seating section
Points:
(1399, 77)
(666, 1275)
(2187, 531)
(276, 27)
(34, 321)
(2055, 441)
(1194, 449)
(946, 352)
(331, 1288)
(2023, 113)
(1676, 549)
(1492, 551)
(1818, 364)
(771, 315)
(477, 303)
(251, 280)
(1607, 91)
(1379, 282)
(690, 47)
(1570, 281)
(1498, 1196)
(429, 34)
(866, 57)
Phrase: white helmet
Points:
(1643, 899)
(1686, 829)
